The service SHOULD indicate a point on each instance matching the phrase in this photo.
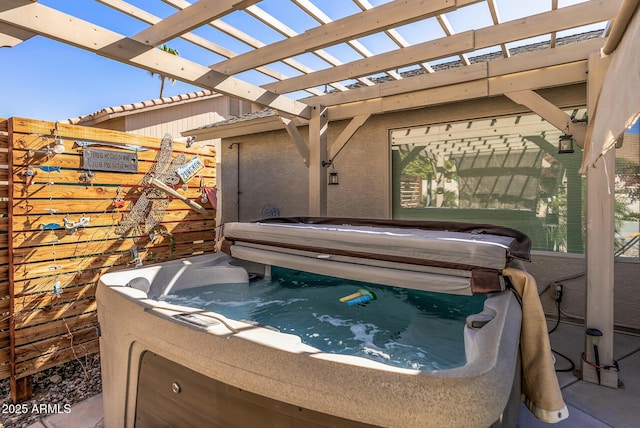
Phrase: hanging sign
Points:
(85, 144)
(190, 169)
(109, 160)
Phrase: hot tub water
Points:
(402, 327)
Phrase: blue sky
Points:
(47, 80)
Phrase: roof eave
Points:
(137, 108)
(237, 129)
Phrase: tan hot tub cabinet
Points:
(168, 364)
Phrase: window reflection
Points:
(503, 170)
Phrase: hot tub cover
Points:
(484, 250)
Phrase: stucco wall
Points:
(272, 174)
(174, 120)
(547, 267)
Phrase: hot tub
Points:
(165, 364)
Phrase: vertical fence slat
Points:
(5, 353)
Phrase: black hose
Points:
(570, 369)
(557, 319)
(573, 366)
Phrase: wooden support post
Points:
(21, 389)
(317, 155)
(599, 254)
(600, 246)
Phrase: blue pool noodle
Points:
(362, 299)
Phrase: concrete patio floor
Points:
(590, 405)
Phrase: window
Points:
(502, 170)
(627, 185)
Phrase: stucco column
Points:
(318, 125)
(600, 269)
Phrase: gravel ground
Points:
(54, 390)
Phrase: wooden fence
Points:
(50, 267)
(5, 352)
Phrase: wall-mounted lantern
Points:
(565, 143)
(58, 146)
(333, 175)
(333, 178)
(50, 149)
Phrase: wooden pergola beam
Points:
(550, 113)
(12, 36)
(392, 33)
(543, 23)
(144, 16)
(371, 21)
(283, 29)
(565, 74)
(448, 30)
(493, 10)
(59, 26)
(530, 61)
(440, 48)
(346, 135)
(451, 91)
(323, 18)
(148, 18)
(301, 145)
(408, 84)
(565, 18)
(251, 41)
(194, 16)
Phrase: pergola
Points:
(308, 85)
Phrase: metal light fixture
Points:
(594, 334)
(333, 178)
(333, 175)
(58, 146)
(50, 150)
(565, 143)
